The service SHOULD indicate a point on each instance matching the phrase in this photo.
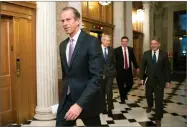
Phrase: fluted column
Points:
(119, 22)
(146, 26)
(46, 49)
(128, 22)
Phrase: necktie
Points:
(125, 59)
(69, 58)
(105, 55)
(70, 51)
(154, 58)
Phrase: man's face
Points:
(69, 23)
(155, 45)
(124, 42)
(105, 41)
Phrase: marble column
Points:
(46, 49)
(146, 26)
(128, 22)
(119, 22)
(77, 5)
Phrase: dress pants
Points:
(158, 90)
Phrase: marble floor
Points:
(133, 113)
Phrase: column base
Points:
(44, 114)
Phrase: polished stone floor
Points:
(133, 113)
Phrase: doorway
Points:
(97, 34)
(17, 62)
(179, 45)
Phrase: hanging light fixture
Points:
(140, 15)
(104, 3)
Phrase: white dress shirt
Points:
(103, 48)
(75, 38)
(127, 52)
(157, 54)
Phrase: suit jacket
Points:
(120, 59)
(109, 66)
(160, 71)
(83, 75)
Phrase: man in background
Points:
(109, 72)
(124, 57)
(155, 65)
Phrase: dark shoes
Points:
(110, 113)
(148, 109)
(122, 102)
(126, 97)
(158, 123)
(105, 111)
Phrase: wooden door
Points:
(18, 62)
(6, 107)
(25, 50)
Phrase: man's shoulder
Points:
(163, 52)
(130, 48)
(110, 48)
(62, 43)
(147, 52)
(88, 36)
(118, 48)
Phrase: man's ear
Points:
(78, 22)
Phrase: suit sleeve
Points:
(143, 67)
(115, 57)
(134, 59)
(167, 68)
(96, 65)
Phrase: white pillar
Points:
(46, 49)
(146, 27)
(78, 6)
(118, 18)
(128, 23)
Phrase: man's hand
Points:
(73, 112)
(137, 70)
(167, 84)
(142, 81)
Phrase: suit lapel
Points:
(108, 54)
(77, 46)
(159, 56)
(64, 54)
(150, 57)
(121, 52)
(129, 54)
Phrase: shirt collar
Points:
(124, 48)
(75, 37)
(157, 51)
(103, 47)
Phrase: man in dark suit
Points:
(109, 72)
(124, 57)
(82, 67)
(155, 65)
